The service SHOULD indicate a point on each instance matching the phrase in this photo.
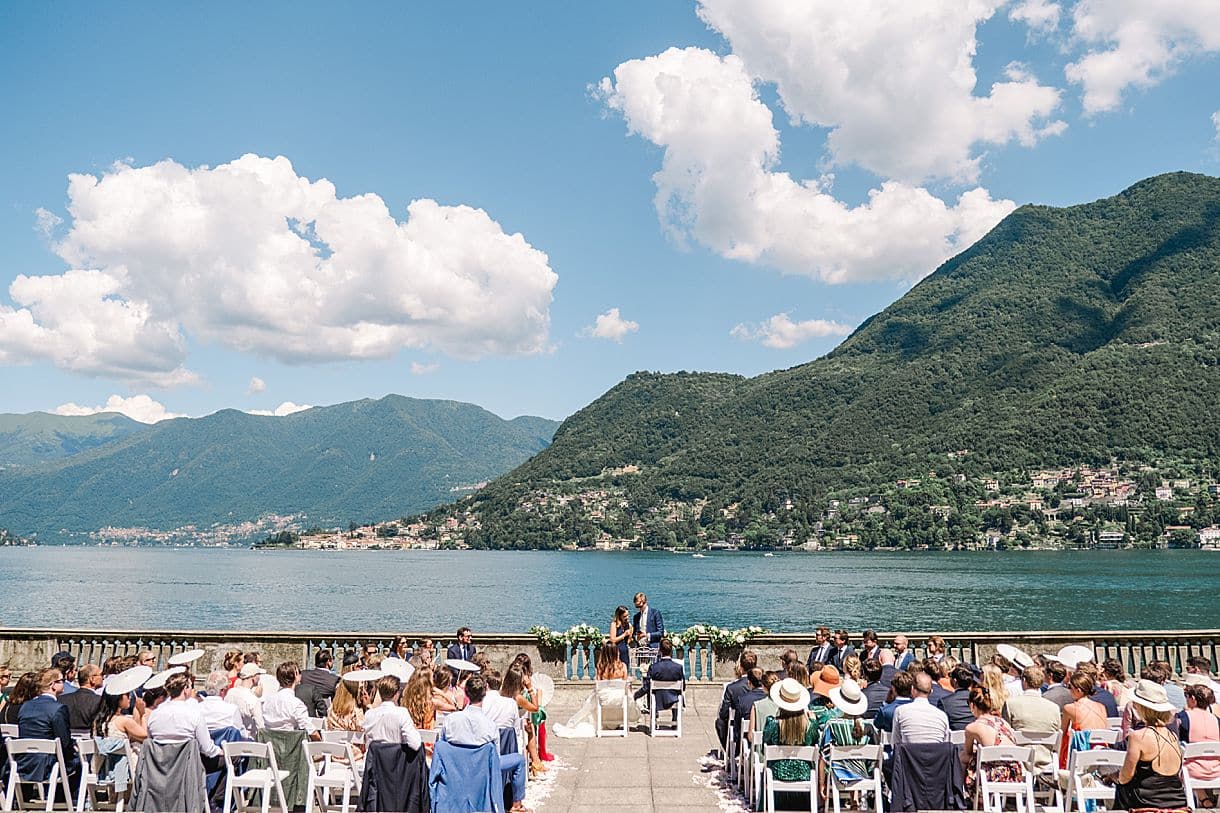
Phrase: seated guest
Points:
(919, 722)
(663, 669)
(66, 664)
(243, 696)
(821, 709)
(1151, 776)
(424, 656)
(472, 727)
(875, 691)
(446, 696)
(345, 712)
(988, 729)
(993, 680)
(231, 664)
(84, 705)
(1152, 671)
(946, 669)
(179, 719)
(417, 698)
(900, 695)
(1030, 711)
(765, 707)
(849, 728)
(956, 704)
(283, 710)
(501, 710)
(387, 721)
(1056, 689)
(43, 717)
(217, 712)
(1172, 690)
(1114, 680)
(932, 669)
(853, 667)
(1202, 669)
(1198, 724)
(401, 648)
(728, 701)
(1011, 674)
(24, 690)
(744, 703)
(317, 687)
(790, 726)
(1100, 693)
(888, 667)
(937, 648)
(1082, 714)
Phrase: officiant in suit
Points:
(647, 626)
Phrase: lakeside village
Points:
(1080, 507)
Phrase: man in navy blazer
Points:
(647, 626)
(732, 694)
(664, 669)
(45, 718)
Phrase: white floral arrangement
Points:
(574, 635)
(720, 638)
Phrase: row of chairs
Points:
(656, 728)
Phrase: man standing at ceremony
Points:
(647, 627)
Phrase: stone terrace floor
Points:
(636, 773)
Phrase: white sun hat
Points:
(398, 668)
(158, 680)
(544, 687)
(363, 675)
(1018, 656)
(1073, 655)
(128, 680)
(185, 658)
(1151, 695)
(790, 695)
(460, 665)
(848, 698)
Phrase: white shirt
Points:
(919, 722)
(284, 711)
(218, 714)
(502, 710)
(179, 721)
(470, 726)
(390, 722)
(250, 708)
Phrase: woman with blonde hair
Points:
(993, 682)
(853, 668)
(1151, 776)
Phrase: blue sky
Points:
(502, 108)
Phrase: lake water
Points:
(495, 591)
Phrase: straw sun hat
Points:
(848, 698)
(790, 695)
(1152, 695)
(824, 680)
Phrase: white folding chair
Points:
(1197, 751)
(331, 769)
(804, 753)
(1083, 764)
(991, 793)
(667, 686)
(260, 779)
(9, 731)
(958, 737)
(1048, 773)
(619, 686)
(428, 735)
(1103, 736)
(342, 736)
(1114, 722)
(731, 747)
(870, 783)
(748, 766)
(57, 779)
(317, 723)
(90, 763)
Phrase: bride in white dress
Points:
(612, 685)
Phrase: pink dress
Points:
(1204, 727)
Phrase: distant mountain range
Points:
(1065, 335)
(361, 461)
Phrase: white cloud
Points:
(257, 385)
(419, 368)
(892, 80)
(138, 407)
(254, 257)
(46, 222)
(1136, 43)
(1042, 16)
(610, 325)
(781, 332)
(286, 408)
(1216, 123)
(717, 183)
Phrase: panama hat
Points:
(825, 680)
(249, 670)
(1073, 655)
(184, 658)
(127, 681)
(1018, 656)
(848, 698)
(460, 665)
(1152, 695)
(789, 695)
(158, 680)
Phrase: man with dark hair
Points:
(746, 700)
(1196, 665)
(871, 647)
(919, 722)
(44, 717)
(822, 651)
(85, 703)
(932, 669)
(1172, 690)
(842, 648)
(471, 726)
(732, 693)
(900, 695)
(463, 648)
(664, 669)
(875, 692)
(66, 664)
(502, 710)
(1057, 691)
(283, 710)
(179, 719)
(956, 704)
(317, 686)
(388, 721)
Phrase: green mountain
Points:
(1066, 335)
(360, 461)
(39, 437)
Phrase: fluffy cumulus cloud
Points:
(257, 385)
(1135, 43)
(892, 80)
(252, 256)
(719, 185)
(1042, 16)
(781, 332)
(140, 408)
(1216, 123)
(610, 325)
(286, 408)
(420, 368)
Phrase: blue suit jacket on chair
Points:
(663, 670)
(656, 627)
(42, 718)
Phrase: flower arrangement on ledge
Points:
(575, 635)
(721, 638)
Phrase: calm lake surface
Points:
(196, 588)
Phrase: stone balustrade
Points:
(23, 649)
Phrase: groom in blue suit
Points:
(647, 627)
